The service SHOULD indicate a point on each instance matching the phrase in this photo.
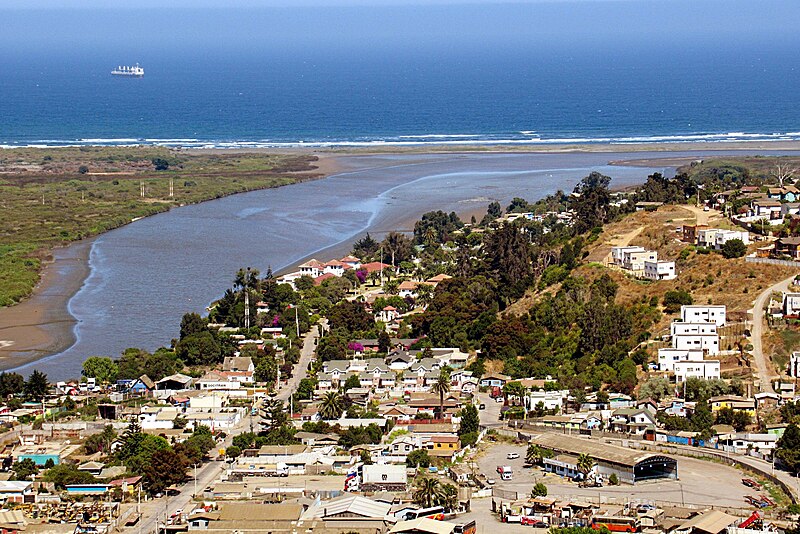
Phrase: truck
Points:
(496, 392)
(505, 472)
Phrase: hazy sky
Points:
(67, 26)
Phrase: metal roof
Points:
(572, 444)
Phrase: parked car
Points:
(512, 455)
(491, 481)
(535, 523)
(499, 399)
(482, 406)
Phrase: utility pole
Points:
(247, 299)
(297, 322)
(171, 187)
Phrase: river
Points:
(146, 275)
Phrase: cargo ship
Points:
(135, 71)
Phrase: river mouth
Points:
(143, 277)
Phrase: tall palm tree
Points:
(585, 464)
(534, 454)
(332, 405)
(447, 497)
(442, 387)
(426, 491)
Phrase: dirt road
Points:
(763, 363)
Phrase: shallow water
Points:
(146, 275)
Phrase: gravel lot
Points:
(701, 482)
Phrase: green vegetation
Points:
(55, 196)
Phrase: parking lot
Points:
(700, 483)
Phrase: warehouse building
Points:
(630, 466)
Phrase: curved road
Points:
(764, 365)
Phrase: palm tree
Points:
(585, 464)
(426, 491)
(534, 454)
(332, 405)
(447, 497)
(442, 387)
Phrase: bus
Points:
(616, 523)
(435, 512)
(465, 528)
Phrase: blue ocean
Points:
(407, 75)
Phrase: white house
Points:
(551, 400)
(618, 254)
(706, 237)
(794, 365)
(668, 357)
(312, 268)
(705, 369)
(660, 270)
(387, 315)
(407, 288)
(723, 236)
(678, 328)
(699, 313)
(634, 260)
(707, 342)
(791, 304)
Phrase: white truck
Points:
(505, 472)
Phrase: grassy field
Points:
(51, 197)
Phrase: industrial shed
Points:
(630, 466)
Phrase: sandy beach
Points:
(42, 325)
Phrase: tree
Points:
(365, 247)
(418, 458)
(160, 164)
(233, 451)
(351, 382)
(24, 469)
(101, 368)
(788, 448)
(426, 490)
(83, 169)
(655, 388)
(384, 342)
(332, 405)
(735, 248)
(591, 202)
(166, 468)
(539, 490)
(701, 419)
(441, 387)
(585, 464)
(36, 387)
(535, 454)
(11, 384)
(447, 497)
(192, 323)
(100, 442)
(398, 247)
(65, 473)
(470, 420)
(199, 349)
(673, 300)
(513, 389)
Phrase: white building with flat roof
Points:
(703, 314)
(723, 236)
(634, 260)
(618, 254)
(668, 357)
(680, 328)
(706, 342)
(660, 270)
(705, 369)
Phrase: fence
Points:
(772, 261)
(508, 495)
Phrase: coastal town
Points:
(607, 360)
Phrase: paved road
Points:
(301, 369)
(155, 510)
(765, 371)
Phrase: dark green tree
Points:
(418, 458)
(37, 386)
(191, 324)
(788, 448)
(591, 202)
(735, 248)
(11, 384)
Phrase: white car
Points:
(512, 456)
(491, 481)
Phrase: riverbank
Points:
(41, 324)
